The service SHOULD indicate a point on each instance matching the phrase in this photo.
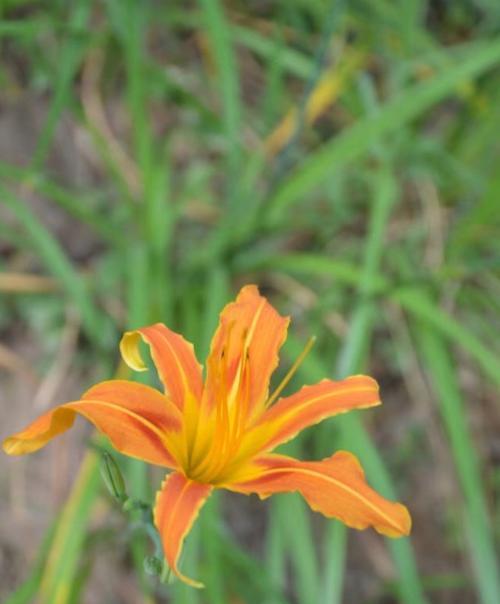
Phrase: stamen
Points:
(244, 397)
(221, 427)
(235, 386)
(291, 372)
(239, 396)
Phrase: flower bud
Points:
(112, 477)
(153, 566)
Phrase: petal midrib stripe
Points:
(185, 383)
(172, 516)
(295, 410)
(246, 345)
(171, 519)
(339, 484)
(162, 435)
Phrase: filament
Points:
(291, 372)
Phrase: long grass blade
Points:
(56, 261)
(419, 305)
(359, 139)
(351, 360)
(66, 550)
(441, 370)
(70, 55)
(219, 35)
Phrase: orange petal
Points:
(173, 357)
(310, 405)
(335, 486)
(177, 505)
(136, 418)
(250, 333)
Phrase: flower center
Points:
(217, 443)
(220, 431)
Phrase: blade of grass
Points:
(227, 79)
(134, 21)
(149, 220)
(247, 577)
(180, 592)
(300, 545)
(334, 549)
(320, 98)
(355, 438)
(218, 33)
(138, 293)
(70, 56)
(56, 261)
(441, 370)
(216, 297)
(315, 83)
(155, 215)
(351, 360)
(357, 140)
(160, 223)
(25, 27)
(275, 554)
(291, 538)
(307, 263)
(26, 593)
(75, 204)
(62, 568)
(408, 297)
(69, 538)
(292, 60)
(214, 575)
(421, 307)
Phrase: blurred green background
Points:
(344, 156)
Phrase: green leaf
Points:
(359, 139)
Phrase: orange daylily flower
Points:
(220, 433)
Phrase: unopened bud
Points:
(153, 566)
(128, 505)
(112, 477)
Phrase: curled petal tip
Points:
(366, 379)
(404, 523)
(19, 446)
(408, 523)
(129, 348)
(190, 582)
(249, 289)
(9, 446)
(177, 505)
